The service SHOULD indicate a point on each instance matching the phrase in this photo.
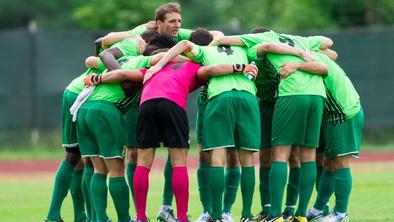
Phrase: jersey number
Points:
(225, 49)
(287, 40)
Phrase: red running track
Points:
(29, 166)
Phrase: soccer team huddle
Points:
(281, 95)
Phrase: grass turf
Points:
(26, 197)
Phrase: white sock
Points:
(315, 211)
(165, 207)
(342, 215)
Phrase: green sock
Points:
(232, 180)
(62, 184)
(343, 187)
(167, 192)
(277, 179)
(264, 189)
(120, 195)
(98, 194)
(217, 188)
(307, 181)
(77, 196)
(247, 189)
(86, 177)
(325, 190)
(130, 169)
(319, 172)
(203, 179)
(293, 189)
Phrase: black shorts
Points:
(161, 120)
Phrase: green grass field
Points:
(26, 197)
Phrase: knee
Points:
(72, 158)
(205, 157)
(131, 155)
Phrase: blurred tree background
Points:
(68, 28)
(229, 15)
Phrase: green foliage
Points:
(233, 15)
(114, 14)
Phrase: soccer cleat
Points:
(274, 219)
(314, 218)
(210, 219)
(203, 217)
(166, 215)
(334, 217)
(260, 216)
(246, 219)
(226, 217)
(287, 217)
(58, 220)
(300, 219)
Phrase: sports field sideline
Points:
(26, 187)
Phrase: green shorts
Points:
(130, 123)
(232, 119)
(69, 132)
(343, 138)
(200, 112)
(100, 130)
(320, 148)
(266, 113)
(297, 121)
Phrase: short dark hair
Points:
(149, 35)
(161, 11)
(259, 30)
(201, 36)
(159, 42)
(163, 41)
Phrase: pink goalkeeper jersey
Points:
(174, 82)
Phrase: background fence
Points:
(36, 66)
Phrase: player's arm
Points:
(157, 57)
(183, 46)
(326, 43)
(310, 67)
(109, 57)
(228, 40)
(217, 34)
(117, 75)
(330, 53)
(206, 72)
(114, 37)
(282, 48)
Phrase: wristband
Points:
(238, 68)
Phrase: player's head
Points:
(168, 18)
(259, 30)
(159, 42)
(147, 36)
(201, 36)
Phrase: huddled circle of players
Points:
(294, 105)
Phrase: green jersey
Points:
(183, 34)
(113, 92)
(300, 82)
(267, 81)
(128, 47)
(211, 55)
(77, 84)
(343, 101)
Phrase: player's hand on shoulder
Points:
(287, 69)
(153, 70)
